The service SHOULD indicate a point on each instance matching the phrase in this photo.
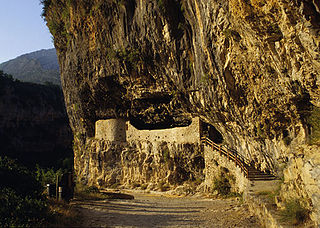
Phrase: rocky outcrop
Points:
(162, 159)
(33, 123)
(249, 68)
(302, 178)
(140, 164)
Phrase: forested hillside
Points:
(34, 126)
(38, 67)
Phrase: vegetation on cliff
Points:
(314, 123)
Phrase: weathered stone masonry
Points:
(122, 154)
(121, 131)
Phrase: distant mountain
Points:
(37, 67)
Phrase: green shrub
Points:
(161, 4)
(85, 192)
(45, 7)
(18, 178)
(166, 154)
(21, 211)
(22, 203)
(91, 189)
(294, 212)
(222, 185)
(314, 122)
(130, 57)
(287, 140)
(144, 186)
(163, 186)
(47, 176)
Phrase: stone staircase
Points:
(257, 175)
(249, 171)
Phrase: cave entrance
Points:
(211, 132)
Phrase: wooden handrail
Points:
(237, 158)
(231, 154)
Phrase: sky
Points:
(22, 29)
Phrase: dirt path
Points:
(154, 210)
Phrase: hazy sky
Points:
(22, 28)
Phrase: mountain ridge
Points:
(39, 67)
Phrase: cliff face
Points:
(249, 68)
(33, 123)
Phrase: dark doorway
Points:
(211, 132)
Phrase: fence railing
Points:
(232, 155)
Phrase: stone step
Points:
(262, 179)
(259, 173)
(253, 173)
(266, 177)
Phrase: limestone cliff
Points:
(250, 68)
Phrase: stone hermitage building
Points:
(119, 130)
(164, 151)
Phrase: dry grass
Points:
(63, 214)
(294, 212)
(83, 192)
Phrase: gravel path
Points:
(155, 210)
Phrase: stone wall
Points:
(123, 155)
(142, 164)
(111, 129)
(217, 165)
(122, 131)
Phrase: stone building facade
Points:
(119, 130)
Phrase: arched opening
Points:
(211, 132)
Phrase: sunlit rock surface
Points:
(249, 68)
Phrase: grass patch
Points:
(83, 192)
(235, 195)
(144, 186)
(314, 122)
(294, 212)
(63, 214)
(222, 186)
(115, 185)
(163, 187)
(269, 195)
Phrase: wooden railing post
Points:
(235, 157)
